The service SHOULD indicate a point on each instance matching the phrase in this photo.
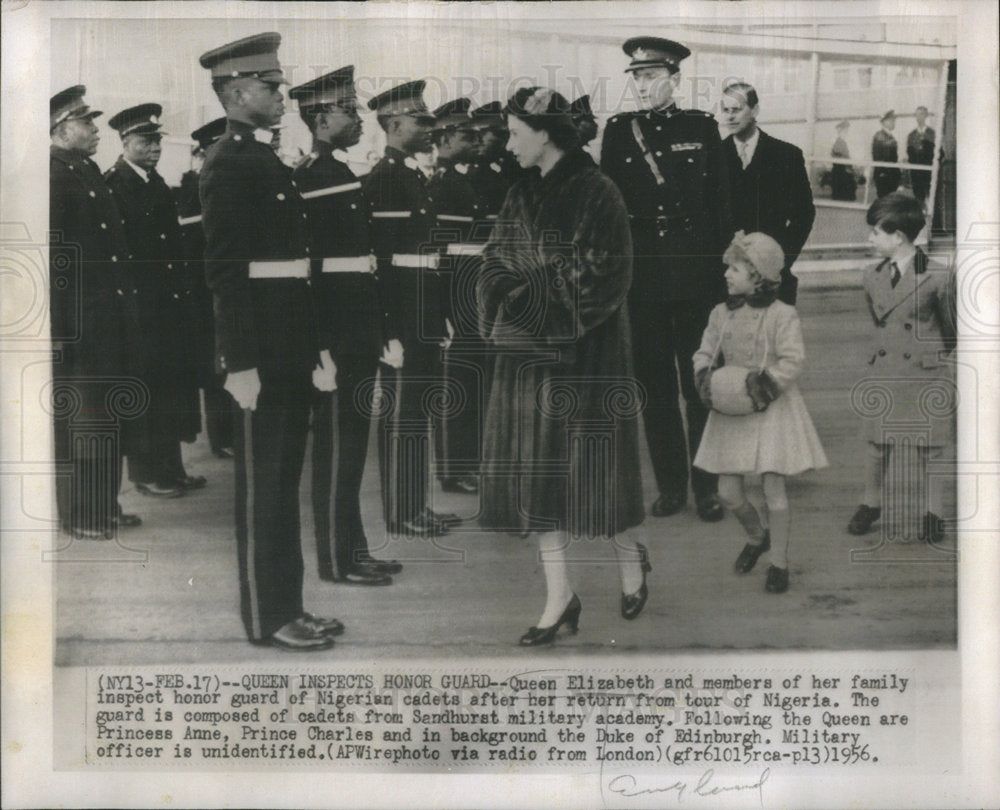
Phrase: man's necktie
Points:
(742, 147)
(896, 275)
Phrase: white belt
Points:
(293, 268)
(189, 220)
(465, 248)
(323, 192)
(391, 214)
(349, 264)
(454, 218)
(491, 216)
(428, 261)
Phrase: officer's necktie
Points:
(896, 275)
(742, 146)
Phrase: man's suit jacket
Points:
(772, 195)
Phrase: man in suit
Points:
(349, 311)
(669, 166)
(257, 266)
(154, 239)
(920, 149)
(768, 181)
(886, 149)
(94, 322)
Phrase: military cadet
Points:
(668, 164)
(256, 256)
(350, 319)
(584, 120)
(403, 220)
(920, 149)
(94, 319)
(457, 210)
(218, 403)
(154, 238)
(495, 170)
(885, 148)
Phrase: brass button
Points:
(881, 352)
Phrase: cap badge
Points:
(641, 54)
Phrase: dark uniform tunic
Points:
(218, 402)
(164, 300)
(252, 213)
(403, 220)
(349, 319)
(920, 149)
(462, 231)
(681, 225)
(885, 148)
(94, 319)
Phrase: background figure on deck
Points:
(843, 182)
(672, 173)
(920, 149)
(155, 465)
(886, 149)
(767, 180)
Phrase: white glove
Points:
(392, 355)
(446, 342)
(325, 374)
(244, 387)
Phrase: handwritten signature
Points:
(628, 785)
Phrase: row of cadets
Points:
(351, 319)
(459, 217)
(218, 403)
(164, 299)
(403, 220)
(257, 266)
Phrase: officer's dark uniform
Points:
(95, 329)
(885, 148)
(920, 149)
(256, 258)
(350, 321)
(461, 235)
(403, 220)
(218, 402)
(673, 178)
(164, 300)
(493, 174)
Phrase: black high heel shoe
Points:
(633, 603)
(546, 635)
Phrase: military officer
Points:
(886, 149)
(920, 149)
(94, 318)
(350, 319)
(153, 234)
(257, 266)
(403, 221)
(218, 403)
(457, 206)
(495, 171)
(669, 166)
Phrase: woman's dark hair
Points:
(898, 211)
(546, 110)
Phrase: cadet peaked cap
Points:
(210, 133)
(489, 115)
(68, 105)
(654, 52)
(255, 56)
(143, 119)
(330, 88)
(581, 107)
(405, 99)
(453, 115)
(889, 114)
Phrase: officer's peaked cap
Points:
(255, 56)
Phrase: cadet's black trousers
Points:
(459, 428)
(665, 336)
(270, 447)
(340, 424)
(218, 414)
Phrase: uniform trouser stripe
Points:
(248, 471)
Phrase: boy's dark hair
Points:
(898, 211)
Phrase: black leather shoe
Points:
(328, 627)
(363, 574)
(300, 636)
(710, 509)
(777, 580)
(382, 566)
(466, 485)
(191, 482)
(224, 452)
(446, 519)
(157, 491)
(667, 505)
(862, 520)
(633, 603)
(932, 530)
(751, 553)
(87, 533)
(124, 520)
(537, 636)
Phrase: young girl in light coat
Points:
(758, 423)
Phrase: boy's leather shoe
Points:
(863, 519)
